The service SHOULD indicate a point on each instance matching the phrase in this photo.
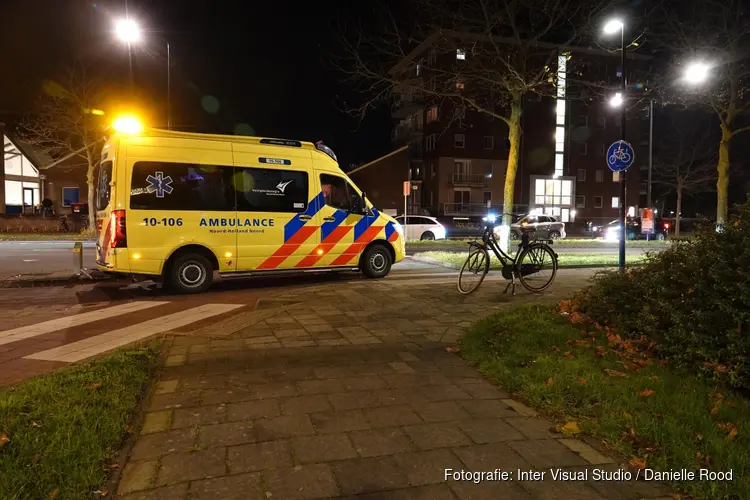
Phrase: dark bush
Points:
(692, 299)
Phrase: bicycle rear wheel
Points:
(536, 267)
(473, 271)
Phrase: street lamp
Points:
(612, 27)
(616, 100)
(696, 73)
(129, 32)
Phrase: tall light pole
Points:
(611, 28)
(129, 32)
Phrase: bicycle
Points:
(528, 261)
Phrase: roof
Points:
(373, 162)
(473, 37)
(15, 146)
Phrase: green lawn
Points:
(579, 376)
(60, 433)
(574, 242)
(577, 259)
(44, 236)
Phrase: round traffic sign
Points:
(620, 156)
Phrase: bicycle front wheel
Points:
(536, 267)
(473, 271)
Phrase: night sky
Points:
(235, 64)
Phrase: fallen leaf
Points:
(627, 415)
(96, 385)
(569, 355)
(114, 466)
(646, 393)
(654, 378)
(614, 373)
(582, 381)
(550, 381)
(663, 363)
(54, 494)
(4, 439)
(715, 411)
(637, 463)
(129, 429)
(35, 424)
(453, 350)
(732, 434)
(35, 459)
(699, 437)
(725, 426)
(600, 351)
(104, 492)
(569, 429)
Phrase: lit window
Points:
(432, 114)
(461, 54)
(460, 85)
(615, 202)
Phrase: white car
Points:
(420, 227)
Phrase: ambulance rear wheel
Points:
(190, 273)
(376, 262)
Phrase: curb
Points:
(430, 260)
(31, 281)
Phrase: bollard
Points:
(78, 269)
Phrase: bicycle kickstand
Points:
(513, 289)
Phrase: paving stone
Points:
(246, 379)
(259, 456)
(407, 356)
(403, 380)
(176, 360)
(368, 475)
(521, 408)
(237, 487)
(392, 416)
(489, 430)
(339, 421)
(325, 386)
(352, 400)
(138, 476)
(429, 492)
(544, 453)
(304, 404)
(233, 395)
(533, 428)
(402, 367)
(364, 383)
(198, 415)
(274, 390)
(174, 400)
(441, 411)
(487, 408)
(174, 492)
(386, 441)
(301, 482)
(372, 369)
(285, 333)
(491, 456)
(585, 451)
(323, 448)
(246, 410)
(483, 391)
(427, 467)
(150, 446)
(166, 387)
(292, 374)
(156, 421)
(390, 397)
(438, 435)
(560, 490)
(261, 341)
(228, 434)
(190, 466)
(507, 490)
(283, 427)
(444, 393)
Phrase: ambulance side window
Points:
(336, 192)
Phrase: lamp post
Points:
(611, 28)
(128, 31)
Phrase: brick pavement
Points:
(345, 390)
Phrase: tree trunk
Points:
(679, 210)
(91, 197)
(514, 136)
(722, 184)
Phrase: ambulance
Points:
(179, 207)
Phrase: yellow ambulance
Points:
(177, 206)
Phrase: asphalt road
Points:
(47, 257)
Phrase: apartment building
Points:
(456, 157)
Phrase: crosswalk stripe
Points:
(54, 325)
(92, 346)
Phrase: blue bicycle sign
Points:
(620, 156)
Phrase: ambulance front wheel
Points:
(376, 262)
(190, 273)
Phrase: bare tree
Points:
(67, 125)
(686, 162)
(481, 55)
(715, 33)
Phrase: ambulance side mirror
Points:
(366, 209)
(357, 204)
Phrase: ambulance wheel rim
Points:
(378, 262)
(192, 274)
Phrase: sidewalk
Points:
(345, 390)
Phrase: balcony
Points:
(466, 209)
(406, 106)
(461, 179)
(406, 132)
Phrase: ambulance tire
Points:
(376, 262)
(190, 273)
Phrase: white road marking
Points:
(92, 346)
(30, 260)
(25, 332)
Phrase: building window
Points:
(461, 54)
(580, 201)
(488, 170)
(487, 198)
(70, 195)
(432, 114)
(600, 176)
(459, 140)
(581, 175)
(615, 202)
(460, 85)
(583, 148)
(598, 201)
(489, 142)
(431, 142)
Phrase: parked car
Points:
(545, 227)
(422, 228)
(633, 229)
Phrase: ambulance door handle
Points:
(305, 217)
(329, 219)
